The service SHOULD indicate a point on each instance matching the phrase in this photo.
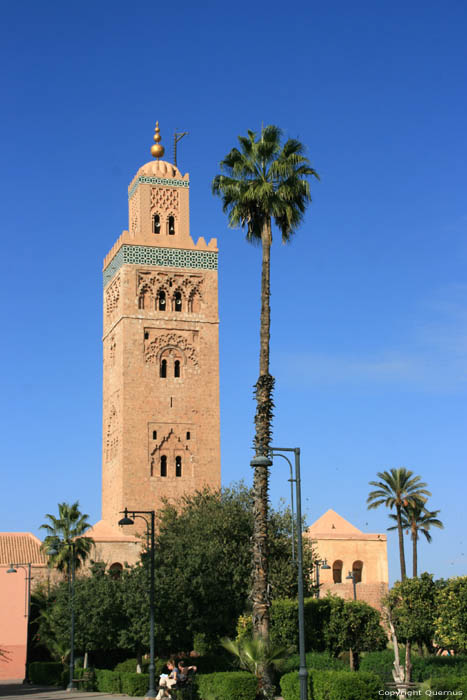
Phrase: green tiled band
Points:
(156, 181)
(160, 257)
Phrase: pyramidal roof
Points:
(333, 523)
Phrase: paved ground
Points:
(12, 690)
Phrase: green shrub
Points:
(284, 623)
(450, 683)
(129, 666)
(345, 685)
(226, 686)
(290, 686)
(45, 672)
(135, 684)
(381, 663)
(320, 661)
(424, 667)
(108, 681)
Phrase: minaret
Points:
(161, 435)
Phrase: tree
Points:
(417, 519)
(65, 534)
(398, 488)
(263, 182)
(451, 615)
(411, 604)
(353, 626)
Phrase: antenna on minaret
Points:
(177, 137)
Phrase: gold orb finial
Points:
(157, 151)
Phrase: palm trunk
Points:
(401, 543)
(414, 550)
(263, 419)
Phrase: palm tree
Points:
(264, 181)
(417, 519)
(65, 534)
(397, 489)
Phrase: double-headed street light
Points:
(150, 527)
(320, 564)
(294, 478)
(27, 610)
(351, 575)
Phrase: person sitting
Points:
(168, 681)
(185, 672)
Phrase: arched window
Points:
(163, 371)
(163, 465)
(141, 301)
(357, 568)
(337, 571)
(194, 303)
(178, 466)
(177, 368)
(178, 301)
(115, 570)
(171, 225)
(161, 300)
(156, 223)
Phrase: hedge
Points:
(108, 681)
(423, 667)
(45, 672)
(320, 661)
(225, 686)
(333, 685)
(449, 683)
(129, 666)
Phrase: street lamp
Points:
(276, 451)
(320, 564)
(150, 527)
(27, 569)
(351, 575)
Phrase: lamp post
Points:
(320, 564)
(276, 451)
(150, 527)
(13, 570)
(351, 575)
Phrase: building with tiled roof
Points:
(17, 548)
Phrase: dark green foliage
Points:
(343, 685)
(412, 606)
(88, 674)
(134, 684)
(108, 681)
(451, 615)
(424, 667)
(290, 686)
(45, 672)
(226, 686)
(318, 661)
(284, 623)
(452, 684)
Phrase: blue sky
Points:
(369, 339)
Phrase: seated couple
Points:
(176, 677)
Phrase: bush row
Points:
(450, 685)
(45, 672)
(423, 667)
(225, 686)
(333, 685)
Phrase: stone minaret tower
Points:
(161, 368)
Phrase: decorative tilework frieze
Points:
(160, 257)
(156, 181)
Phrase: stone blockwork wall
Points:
(371, 593)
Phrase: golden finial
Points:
(157, 151)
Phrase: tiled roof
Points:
(20, 548)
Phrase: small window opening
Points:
(141, 302)
(163, 465)
(163, 371)
(115, 570)
(156, 223)
(178, 301)
(357, 567)
(188, 435)
(146, 335)
(177, 368)
(178, 466)
(161, 298)
(154, 434)
(171, 226)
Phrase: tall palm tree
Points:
(65, 534)
(397, 489)
(417, 519)
(264, 181)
